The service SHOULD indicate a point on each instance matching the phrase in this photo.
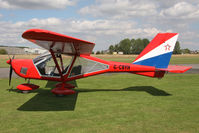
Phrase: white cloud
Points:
(190, 35)
(10, 33)
(35, 4)
(120, 8)
(102, 32)
(114, 20)
(182, 10)
(148, 9)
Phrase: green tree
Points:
(146, 42)
(117, 48)
(111, 49)
(132, 45)
(3, 51)
(98, 52)
(128, 46)
(186, 51)
(138, 46)
(177, 48)
(125, 46)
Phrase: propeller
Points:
(11, 69)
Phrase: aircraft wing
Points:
(59, 43)
(176, 69)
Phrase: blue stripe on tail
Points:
(161, 61)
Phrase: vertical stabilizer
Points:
(158, 52)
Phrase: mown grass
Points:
(185, 59)
(176, 59)
(113, 103)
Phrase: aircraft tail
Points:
(158, 52)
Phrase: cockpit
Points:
(46, 66)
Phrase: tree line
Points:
(135, 46)
(127, 46)
(3, 51)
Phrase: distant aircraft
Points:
(69, 59)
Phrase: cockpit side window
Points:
(46, 66)
(84, 66)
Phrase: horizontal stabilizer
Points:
(175, 69)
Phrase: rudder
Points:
(158, 52)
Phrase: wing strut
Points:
(57, 65)
(62, 88)
(62, 65)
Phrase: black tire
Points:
(25, 92)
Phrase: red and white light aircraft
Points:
(69, 59)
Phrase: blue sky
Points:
(104, 22)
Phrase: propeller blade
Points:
(11, 69)
(10, 74)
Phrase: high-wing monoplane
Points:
(68, 59)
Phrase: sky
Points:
(104, 22)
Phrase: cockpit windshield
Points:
(41, 57)
(46, 66)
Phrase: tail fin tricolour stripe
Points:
(158, 52)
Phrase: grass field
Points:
(112, 103)
(176, 59)
(118, 103)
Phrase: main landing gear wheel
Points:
(26, 88)
(63, 89)
(24, 92)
